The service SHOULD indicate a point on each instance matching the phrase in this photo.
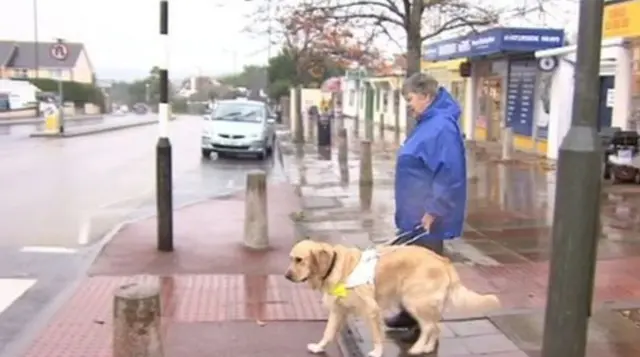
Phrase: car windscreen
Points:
(243, 112)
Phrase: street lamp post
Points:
(164, 189)
(577, 202)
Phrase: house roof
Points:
(24, 54)
(6, 52)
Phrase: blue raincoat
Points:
(431, 172)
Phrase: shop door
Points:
(494, 107)
(605, 109)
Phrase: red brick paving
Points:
(207, 239)
(82, 327)
(209, 279)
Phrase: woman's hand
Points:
(427, 221)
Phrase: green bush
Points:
(79, 93)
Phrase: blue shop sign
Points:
(494, 41)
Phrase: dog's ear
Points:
(320, 263)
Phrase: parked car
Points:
(140, 108)
(239, 126)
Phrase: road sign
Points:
(59, 51)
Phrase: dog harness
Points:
(363, 273)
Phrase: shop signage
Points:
(494, 41)
(617, 17)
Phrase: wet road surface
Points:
(11, 132)
(68, 193)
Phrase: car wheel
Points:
(263, 155)
(206, 153)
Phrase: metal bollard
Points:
(507, 143)
(137, 321)
(256, 229)
(299, 122)
(343, 145)
(366, 168)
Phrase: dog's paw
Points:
(315, 348)
(376, 352)
(421, 350)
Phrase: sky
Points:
(122, 36)
(206, 38)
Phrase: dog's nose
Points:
(288, 275)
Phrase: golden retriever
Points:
(424, 282)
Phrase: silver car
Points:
(239, 126)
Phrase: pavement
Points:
(220, 298)
(34, 120)
(60, 198)
(504, 250)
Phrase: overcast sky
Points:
(121, 35)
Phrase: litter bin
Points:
(324, 130)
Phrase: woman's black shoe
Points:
(401, 320)
(411, 336)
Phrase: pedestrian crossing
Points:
(12, 289)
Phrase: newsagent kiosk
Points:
(506, 84)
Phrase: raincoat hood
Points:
(443, 105)
(431, 173)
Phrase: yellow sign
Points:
(617, 20)
(451, 65)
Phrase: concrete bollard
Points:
(507, 143)
(137, 321)
(366, 168)
(256, 230)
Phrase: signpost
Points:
(59, 51)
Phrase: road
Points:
(66, 193)
(58, 197)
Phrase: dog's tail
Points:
(462, 300)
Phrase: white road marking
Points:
(12, 289)
(46, 249)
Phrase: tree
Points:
(409, 23)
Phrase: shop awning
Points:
(493, 41)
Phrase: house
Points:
(20, 59)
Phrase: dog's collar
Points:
(331, 266)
